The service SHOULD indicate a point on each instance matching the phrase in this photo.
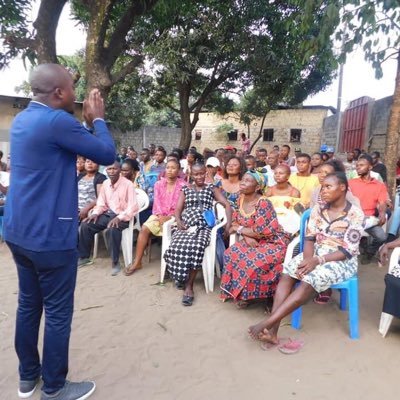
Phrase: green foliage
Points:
(372, 24)
(217, 47)
(14, 27)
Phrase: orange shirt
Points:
(370, 193)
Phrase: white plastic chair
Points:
(386, 319)
(209, 260)
(127, 234)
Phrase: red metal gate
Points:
(354, 124)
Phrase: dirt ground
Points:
(137, 341)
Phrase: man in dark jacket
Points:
(41, 223)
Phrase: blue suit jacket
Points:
(41, 212)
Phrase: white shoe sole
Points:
(88, 394)
(26, 395)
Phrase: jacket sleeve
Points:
(72, 136)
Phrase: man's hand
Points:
(306, 266)
(91, 219)
(114, 223)
(83, 214)
(93, 107)
(382, 219)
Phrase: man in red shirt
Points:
(373, 196)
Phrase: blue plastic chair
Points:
(348, 291)
(1, 228)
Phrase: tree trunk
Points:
(186, 124)
(46, 26)
(392, 137)
(260, 133)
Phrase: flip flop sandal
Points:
(187, 300)
(266, 346)
(129, 271)
(291, 347)
(322, 299)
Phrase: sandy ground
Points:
(137, 341)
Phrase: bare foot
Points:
(256, 330)
(188, 291)
(261, 333)
(132, 269)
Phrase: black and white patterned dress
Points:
(187, 247)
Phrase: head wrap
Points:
(259, 177)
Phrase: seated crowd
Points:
(263, 195)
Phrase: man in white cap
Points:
(213, 166)
(331, 152)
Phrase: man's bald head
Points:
(53, 85)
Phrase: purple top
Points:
(165, 202)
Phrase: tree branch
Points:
(117, 41)
(46, 27)
(126, 69)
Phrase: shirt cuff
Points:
(98, 119)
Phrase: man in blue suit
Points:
(41, 224)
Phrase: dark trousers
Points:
(46, 281)
(113, 236)
(379, 237)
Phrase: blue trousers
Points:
(46, 281)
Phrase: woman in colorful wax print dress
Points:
(166, 194)
(184, 257)
(253, 264)
(330, 256)
(235, 167)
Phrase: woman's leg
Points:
(266, 329)
(283, 290)
(189, 283)
(141, 245)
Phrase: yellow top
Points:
(281, 202)
(305, 185)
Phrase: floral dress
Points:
(343, 234)
(186, 250)
(253, 272)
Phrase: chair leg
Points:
(95, 246)
(353, 310)
(296, 318)
(384, 325)
(343, 299)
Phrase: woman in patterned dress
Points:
(253, 264)
(330, 256)
(184, 256)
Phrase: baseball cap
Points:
(330, 149)
(229, 148)
(323, 148)
(213, 162)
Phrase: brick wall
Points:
(281, 121)
(168, 137)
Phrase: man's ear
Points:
(58, 92)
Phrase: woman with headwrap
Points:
(252, 266)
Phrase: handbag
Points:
(208, 215)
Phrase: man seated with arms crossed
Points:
(302, 180)
(373, 197)
(115, 207)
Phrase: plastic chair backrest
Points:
(303, 225)
(142, 199)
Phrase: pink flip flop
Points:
(266, 346)
(291, 347)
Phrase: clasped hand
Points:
(93, 107)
